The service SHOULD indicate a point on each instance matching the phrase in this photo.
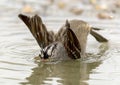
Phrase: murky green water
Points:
(18, 50)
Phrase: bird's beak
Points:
(43, 59)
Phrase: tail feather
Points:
(98, 37)
(95, 28)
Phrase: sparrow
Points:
(68, 43)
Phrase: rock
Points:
(104, 16)
(76, 11)
(93, 1)
(101, 7)
(27, 9)
(61, 5)
(117, 3)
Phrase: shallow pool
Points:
(18, 52)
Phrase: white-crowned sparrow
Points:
(69, 43)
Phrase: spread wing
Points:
(38, 29)
(71, 42)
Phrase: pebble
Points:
(27, 9)
(117, 4)
(93, 1)
(76, 11)
(61, 5)
(101, 7)
(104, 16)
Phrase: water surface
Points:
(18, 49)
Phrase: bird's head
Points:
(53, 52)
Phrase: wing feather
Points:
(71, 43)
(38, 29)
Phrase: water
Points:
(18, 50)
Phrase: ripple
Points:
(19, 51)
(104, 53)
(14, 63)
(24, 48)
(10, 69)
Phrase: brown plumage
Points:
(71, 38)
(71, 42)
(38, 30)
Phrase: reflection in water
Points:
(65, 72)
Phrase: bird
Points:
(68, 43)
